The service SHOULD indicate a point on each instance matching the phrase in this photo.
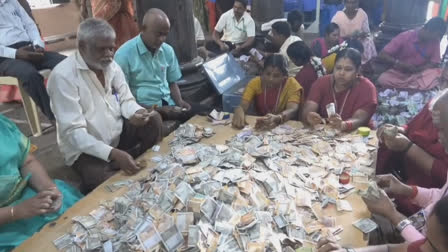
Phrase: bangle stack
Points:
(347, 125)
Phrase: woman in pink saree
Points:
(354, 23)
(415, 57)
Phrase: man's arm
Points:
(248, 44)
(71, 121)
(30, 26)
(128, 104)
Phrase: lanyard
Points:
(336, 102)
(279, 90)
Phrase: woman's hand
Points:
(239, 118)
(392, 186)
(336, 122)
(37, 205)
(314, 118)
(268, 122)
(382, 206)
(398, 143)
(327, 245)
(57, 199)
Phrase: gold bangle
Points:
(12, 212)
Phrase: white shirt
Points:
(89, 117)
(199, 34)
(234, 31)
(16, 26)
(267, 27)
(292, 68)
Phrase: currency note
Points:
(365, 225)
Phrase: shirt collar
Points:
(232, 14)
(2, 2)
(80, 63)
(142, 49)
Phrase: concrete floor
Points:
(47, 149)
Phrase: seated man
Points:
(150, 65)
(387, 216)
(100, 127)
(237, 29)
(294, 19)
(282, 39)
(22, 53)
(415, 56)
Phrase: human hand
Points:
(124, 161)
(184, 105)
(27, 53)
(268, 122)
(37, 205)
(327, 245)
(56, 198)
(313, 118)
(336, 121)
(392, 186)
(239, 118)
(224, 47)
(398, 143)
(382, 206)
(405, 68)
(38, 49)
(237, 51)
(141, 117)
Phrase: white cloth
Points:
(234, 31)
(16, 26)
(292, 68)
(89, 116)
(199, 34)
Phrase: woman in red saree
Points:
(352, 97)
(416, 154)
(119, 14)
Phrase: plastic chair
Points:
(28, 103)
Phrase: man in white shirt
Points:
(281, 39)
(100, 126)
(199, 34)
(22, 53)
(235, 31)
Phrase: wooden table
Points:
(43, 241)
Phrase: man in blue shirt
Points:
(22, 53)
(150, 65)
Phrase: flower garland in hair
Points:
(318, 67)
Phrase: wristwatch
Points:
(403, 224)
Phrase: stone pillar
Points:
(265, 10)
(182, 35)
(400, 15)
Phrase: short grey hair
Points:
(93, 28)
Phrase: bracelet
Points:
(403, 224)
(408, 147)
(12, 212)
(348, 125)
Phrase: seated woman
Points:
(437, 231)
(415, 153)
(312, 68)
(414, 56)
(354, 24)
(275, 95)
(29, 199)
(353, 97)
(321, 46)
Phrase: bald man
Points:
(150, 65)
